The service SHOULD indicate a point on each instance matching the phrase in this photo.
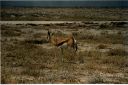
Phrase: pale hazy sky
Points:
(63, 0)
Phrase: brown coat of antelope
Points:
(61, 42)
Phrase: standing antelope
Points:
(61, 42)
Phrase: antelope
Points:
(61, 41)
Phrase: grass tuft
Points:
(101, 46)
(117, 52)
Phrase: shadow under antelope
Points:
(62, 42)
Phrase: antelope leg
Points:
(62, 58)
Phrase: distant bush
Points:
(103, 25)
(36, 41)
(104, 33)
(97, 80)
(118, 24)
(31, 24)
(101, 46)
(10, 33)
(119, 32)
(115, 52)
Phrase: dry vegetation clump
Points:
(61, 24)
(104, 26)
(31, 24)
(109, 26)
(116, 61)
(115, 38)
(47, 24)
(84, 35)
(118, 24)
(102, 62)
(101, 46)
(119, 32)
(70, 55)
(9, 32)
(39, 35)
(104, 38)
(89, 22)
(104, 33)
(117, 52)
(112, 25)
(97, 80)
(36, 41)
(6, 78)
(91, 56)
(75, 34)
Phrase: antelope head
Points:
(49, 34)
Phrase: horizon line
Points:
(63, 0)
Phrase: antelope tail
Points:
(75, 46)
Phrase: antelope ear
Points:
(48, 32)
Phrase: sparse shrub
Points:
(90, 37)
(119, 32)
(38, 35)
(18, 24)
(90, 54)
(88, 22)
(97, 80)
(47, 24)
(117, 52)
(31, 24)
(111, 25)
(104, 33)
(86, 37)
(69, 54)
(6, 78)
(120, 61)
(81, 59)
(36, 41)
(61, 24)
(71, 80)
(101, 46)
(10, 33)
(75, 34)
(104, 38)
(103, 25)
(118, 24)
(32, 72)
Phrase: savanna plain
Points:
(63, 14)
(28, 57)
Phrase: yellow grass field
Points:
(27, 56)
(63, 14)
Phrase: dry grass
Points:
(117, 52)
(25, 59)
(97, 80)
(63, 14)
(101, 46)
(105, 38)
(6, 31)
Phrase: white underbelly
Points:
(64, 45)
